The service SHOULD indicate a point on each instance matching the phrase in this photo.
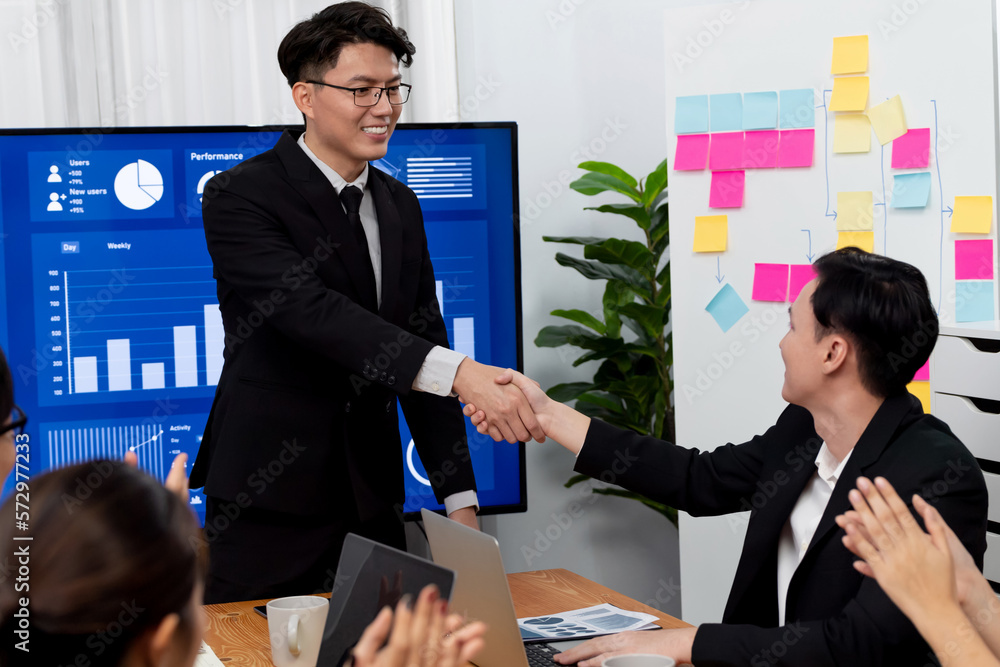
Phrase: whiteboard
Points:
(941, 62)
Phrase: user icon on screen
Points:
(54, 176)
(54, 204)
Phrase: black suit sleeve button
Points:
(347, 407)
(391, 381)
(384, 376)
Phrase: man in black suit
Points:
(330, 311)
(858, 333)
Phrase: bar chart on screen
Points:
(133, 314)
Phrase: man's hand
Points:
(465, 516)
(537, 401)
(673, 643)
(504, 405)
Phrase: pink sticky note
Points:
(796, 148)
(801, 274)
(770, 282)
(924, 374)
(692, 152)
(726, 151)
(912, 150)
(760, 149)
(974, 260)
(727, 189)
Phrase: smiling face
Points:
(342, 134)
(802, 353)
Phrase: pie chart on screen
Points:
(139, 185)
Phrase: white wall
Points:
(584, 80)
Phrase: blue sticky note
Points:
(973, 300)
(798, 108)
(727, 307)
(727, 112)
(760, 111)
(911, 190)
(692, 115)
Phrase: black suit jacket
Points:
(833, 614)
(304, 418)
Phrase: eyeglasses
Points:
(17, 421)
(369, 96)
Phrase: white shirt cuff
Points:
(460, 500)
(437, 373)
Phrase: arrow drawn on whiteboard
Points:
(948, 210)
(826, 155)
(718, 270)
(810, 254)
(885, 209)
(937, 166)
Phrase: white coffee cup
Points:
(296, 627)
(639, 660)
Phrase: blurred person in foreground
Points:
(929, 575)
(115, 578)
(857, 334)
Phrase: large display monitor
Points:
(110, 318)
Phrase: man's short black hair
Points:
(312, 47)
(884, 307)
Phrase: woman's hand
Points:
(914, 568)
(425, 636)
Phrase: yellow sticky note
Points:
(852, 133)
(888, 120)
(850, 93)
(850, 55)
(710, 233)
(863, 240)
(855, 211)
(922, 390)
(972, 215)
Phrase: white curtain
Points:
(89, 63)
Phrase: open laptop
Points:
(481, 593)
(370, 576)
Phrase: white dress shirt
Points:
(801, 525)
(437, 373)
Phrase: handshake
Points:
(504, 404)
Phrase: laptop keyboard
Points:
(540, 655)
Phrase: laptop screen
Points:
(370, 576)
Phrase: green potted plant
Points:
(632, 386)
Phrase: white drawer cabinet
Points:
(965, 394)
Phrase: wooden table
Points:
(238, 634)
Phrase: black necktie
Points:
(351, 197)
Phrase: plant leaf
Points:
(651, 318)
(594, 183)
(619, 251)
(637, 213)
(597, 271)
(576, 479)
(610, 170)
(579, 240)
(655, 183)
(582, 317)
(568, 334)
(607, 401)
(568, 391)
